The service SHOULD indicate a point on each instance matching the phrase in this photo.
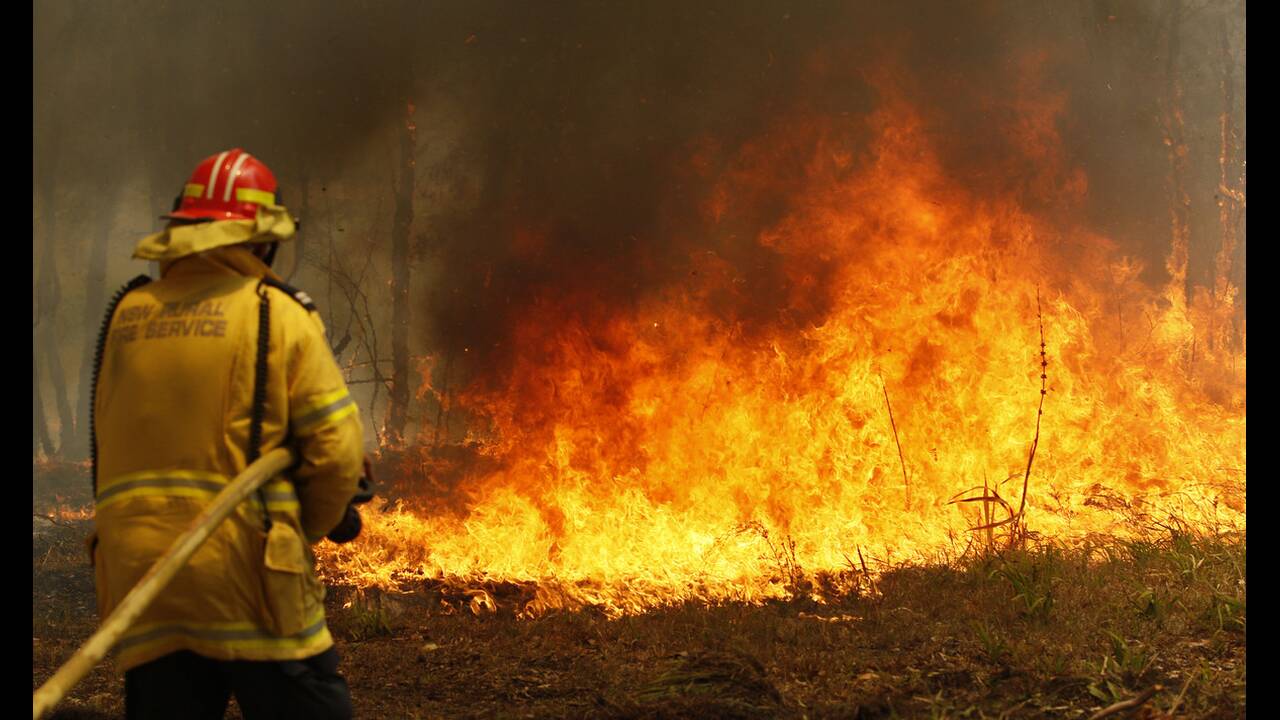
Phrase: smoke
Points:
(584, 123)
(566, 151)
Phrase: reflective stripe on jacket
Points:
(172, 414)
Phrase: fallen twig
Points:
(1178, 700)
(1127, 704)
(1010, 710)
(53, 519)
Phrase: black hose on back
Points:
(98, 352)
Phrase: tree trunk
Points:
(442, 403)
(35, 401)
(47, 139)
(40, 437)
(399, 400)
(1230, 193)
(95, 300)
(57, 376)
(42, 311)
(302, 213)
(329, 271)
(1180, 202)
(50, 290)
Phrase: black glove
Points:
(349, 528)
(365, 493)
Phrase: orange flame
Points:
(663, 452)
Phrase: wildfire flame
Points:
(63, 512)
(644, 455)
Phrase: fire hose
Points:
(161, 573)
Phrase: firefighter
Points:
(198, 373)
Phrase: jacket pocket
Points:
(286, 579)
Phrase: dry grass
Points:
(1043, 631)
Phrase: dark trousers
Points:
(186, 685)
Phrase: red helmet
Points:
(228, 186)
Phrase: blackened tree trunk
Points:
(399, 400)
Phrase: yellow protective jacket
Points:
(172, 416)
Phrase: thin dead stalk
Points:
(906, 485)
(989, 498)
(1020, 531)
(988, 515)
(866, 573)
(990, 494)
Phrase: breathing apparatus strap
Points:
(260, 394)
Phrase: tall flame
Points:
(646, 454)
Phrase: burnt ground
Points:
(1040, 633)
